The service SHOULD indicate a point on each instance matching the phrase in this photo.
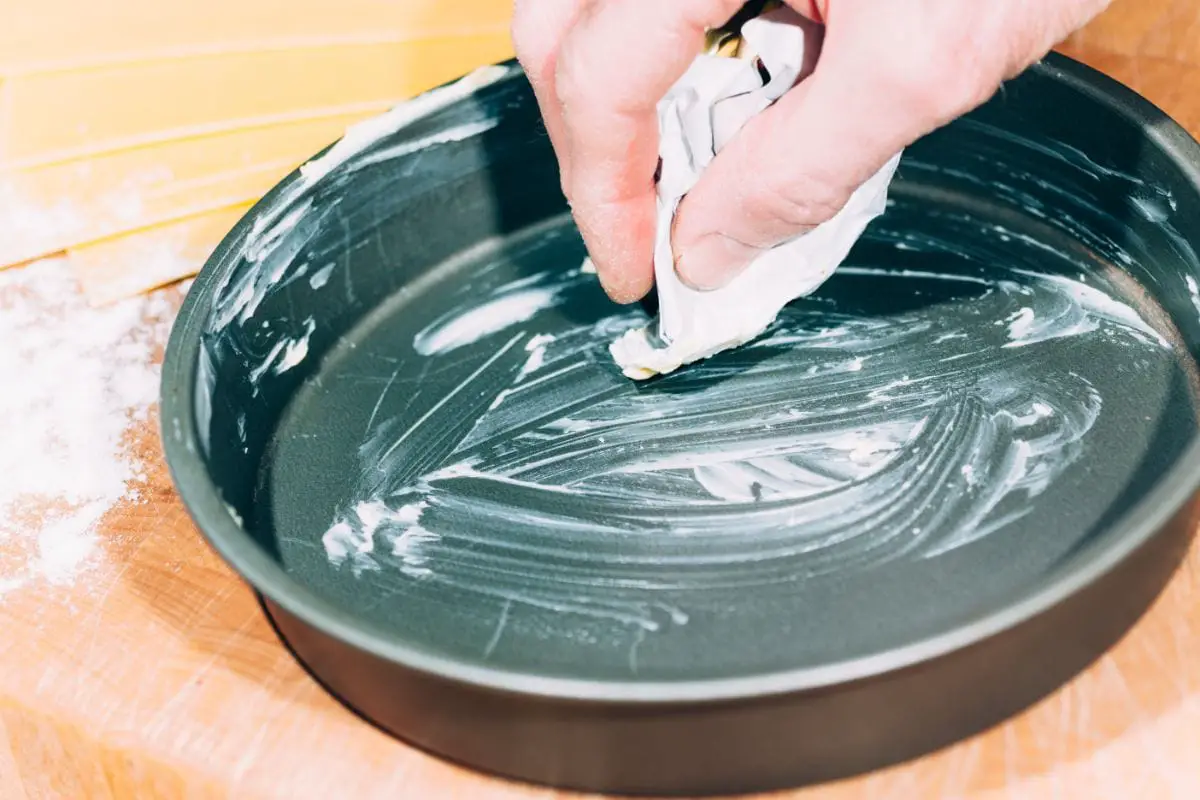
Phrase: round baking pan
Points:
(925, 498)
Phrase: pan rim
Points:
(219, 527)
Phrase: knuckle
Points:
(942, 76)
(802, 204)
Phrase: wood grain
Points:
(157, 675)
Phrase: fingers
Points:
(599, 68)
(874, 92)
(795, 165)
(616, 63)
(790, 168)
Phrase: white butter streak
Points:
(270, 251)
(1078, 308)
(366, 133)
(498, 314)
(265, 246)
(321, 276)
(831, 443)
(1193, 292)
(286, 354)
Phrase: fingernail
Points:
(713, 261)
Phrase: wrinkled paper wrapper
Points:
(697, 117)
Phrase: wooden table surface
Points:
(156, 674)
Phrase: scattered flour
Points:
(27, 229)
(72, 380)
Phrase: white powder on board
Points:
(73, 379)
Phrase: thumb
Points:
(795, 165)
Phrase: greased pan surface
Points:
(929, 495)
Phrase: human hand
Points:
(890, 71)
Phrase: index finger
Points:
(538, 30)
(615, 65)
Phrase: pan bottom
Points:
(963, 410)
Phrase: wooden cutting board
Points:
(155, 674)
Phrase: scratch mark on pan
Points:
(639, 636)
(451, 395)
(347, 256)
(383, 394)
(500, 623)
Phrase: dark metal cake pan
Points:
(929, 495)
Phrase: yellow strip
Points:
(112, 270)
(53, 34)
(49, 114)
